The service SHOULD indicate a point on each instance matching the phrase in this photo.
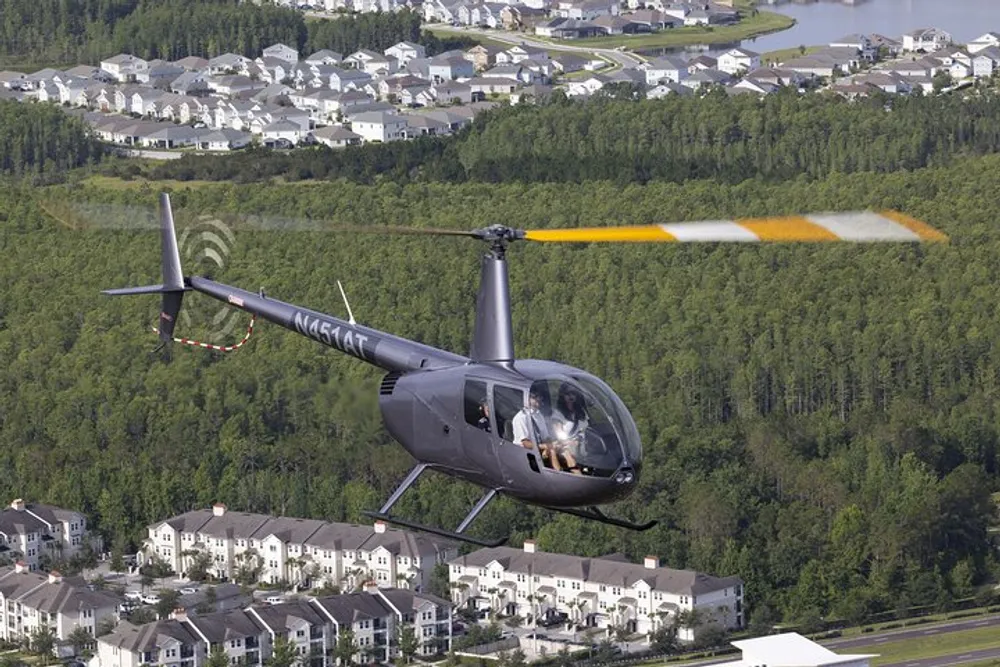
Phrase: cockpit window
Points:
(507, 402)
(477, 405)
(575, 432)
(624, 424)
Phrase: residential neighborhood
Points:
(380, 577)
(282, 100)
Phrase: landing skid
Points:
(595, 514)
(457, 534)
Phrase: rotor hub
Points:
(498, 236)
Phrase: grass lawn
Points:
(781, 55)
(930, 646)
(751, 26)
(445, 32)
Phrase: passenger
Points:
(484, 416)
(569, 423)
(531, 429)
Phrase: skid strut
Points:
(457, 534)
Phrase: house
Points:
(793, 649)
(985, 61)
(593, 592)
(224, 139)
(617, 25)
(159, 73)
(566, 28)
(984, 41)
(171, 136)
(89, 72)
(670, 68)
(735, 61)
(370, 62)
(189, 83)
(404, 52)
(861, 43)
(280, 131)
(348, 79)
(531, 94)
(750, 86)
(231, 85)
(666, 89)
(324, 57)
(482, 56)
(124, 67)
(889, 82)
(516, 54)
(702, 62)
(586, 87)
(31, 600)
(192, 64)
(892, 47)
(335, 136)
(449, 68)
(567, 63)
(451, 92)
(521, 17)
(281, 52)
(228, 63)
(926, 40)
(485, 86)
(706, 79)
(380, 126)
(334, 553)
(35, 532)
(165, 642)
(655, 19)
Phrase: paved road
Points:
(914, 633)
(623, 58)
(948, 660)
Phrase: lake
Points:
(822, 22)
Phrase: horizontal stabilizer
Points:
(145, 289)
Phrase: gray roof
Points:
(347, 609)
(406, 600)
(192, 63)
(335, 133)
(37, 592)
(322, 54)
(239, 525)
(610, 572)
(14, 522)
(151, 636)
(189, 522)
(226, 626)
(278, 617)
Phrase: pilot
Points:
(531, 429)
(484, 416)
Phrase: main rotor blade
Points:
(394, 230)
(855, 226)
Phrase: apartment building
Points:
(312, 626)
(303, 552)
(31, 600)
(594, 592)
(29, 531)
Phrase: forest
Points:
(820, 420)
(43, 140)
(34, 34)
(729, 139)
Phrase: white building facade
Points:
(594, 592)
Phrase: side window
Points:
(477, 406)
(507, 402)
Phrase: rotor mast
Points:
(493, 338)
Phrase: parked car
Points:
(133, 595)
(188, 590)
(150, 598)
(274, 599)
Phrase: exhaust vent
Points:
(389, 383)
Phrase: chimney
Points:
(380, 526)
(55, 577)
(20, 566)
(529, 546)
(18, 505)
(369, 586)
(651, 562)
(218, 509)
(179, 614)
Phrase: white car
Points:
(188, 590)
(274, 599)
(150, 598)
(133, 595)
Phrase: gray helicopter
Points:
(538, 431)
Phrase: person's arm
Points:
(522, 435)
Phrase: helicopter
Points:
(488, 418)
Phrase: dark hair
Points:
(578, 411)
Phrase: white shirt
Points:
(566, 428)
(530, 425)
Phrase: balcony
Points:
(316, 632)
(251, 643)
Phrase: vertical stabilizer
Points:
(493, 339)
(173, 279)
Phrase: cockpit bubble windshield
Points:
(585, 430)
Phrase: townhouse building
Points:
(304, 552)
(32, 600)
(595, 592)
(31, 531)
(312, 626)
